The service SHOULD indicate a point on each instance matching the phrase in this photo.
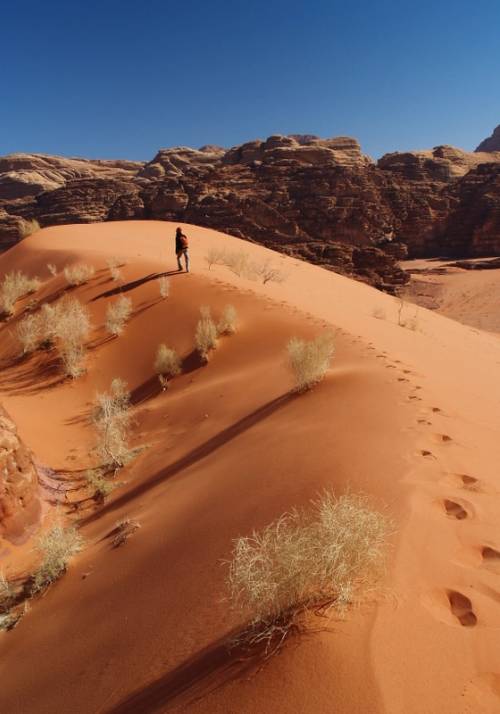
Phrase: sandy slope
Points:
(409, 416)
(469, 296)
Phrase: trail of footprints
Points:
(461, 509)
(460, 605)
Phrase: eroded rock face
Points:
(492, 143)
(19, 502)
(320, 199)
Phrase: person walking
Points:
(181, 249)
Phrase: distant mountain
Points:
(320, 199)
(492, 143)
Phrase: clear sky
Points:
(122, 78)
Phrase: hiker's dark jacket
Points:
(180, 242)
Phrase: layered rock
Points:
(492, 143)
(19, 502)
(321, 199)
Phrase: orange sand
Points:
(410, 417)
(469, 296)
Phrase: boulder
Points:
(19, 499)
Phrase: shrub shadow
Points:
(208, 670)
(197, 454)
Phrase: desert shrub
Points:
(56, 547)
(13, 286)
(123, 530)
(112, 420)
(266, 272)
(167, 364)
(29, 227)
(52, 269)
(29, 332)
(306, 561)
(99, 484)
(78, 274)
(7, 594)
(164, 286)
(239, 263)
(68, 325)
(404, 320)
(310, 359)
(117, 313)
(8, 620)
(114, 268)
(206, 334)
(379, 313)
(227, 322)
(216, 256)
(48, 317)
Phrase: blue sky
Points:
(118, 78)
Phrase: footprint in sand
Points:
(426, 452)
(461, 607)
(442, 438)
(436, 409)
(454, 510)
(491, 558)
(469, 482)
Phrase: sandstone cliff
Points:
(492, 143)
(321, 199)
(19, 503)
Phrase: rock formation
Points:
(320, 199)
(492, 143)
(19, 503)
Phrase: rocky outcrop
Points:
(321, 199)
(492, 143)
(19, 502)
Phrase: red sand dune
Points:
(409, 417)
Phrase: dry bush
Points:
(206, 334)
(8, 620)
(410, 322)
(266, 272)
(306, 561)
(48, 317)
(29, 332)
(117, 314)
(379, 313)
(216, 256)
(99, 484)
(123, 530)
(227, 322)
(164, 286)
(56, 547)
(78, 274)
(7, 594)
(68, 324)
(114, 266)
(52, 269)
(310, 359)
(29, 227)
(112, 420)
(239, 263)
(13, 286)
(167, 364)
